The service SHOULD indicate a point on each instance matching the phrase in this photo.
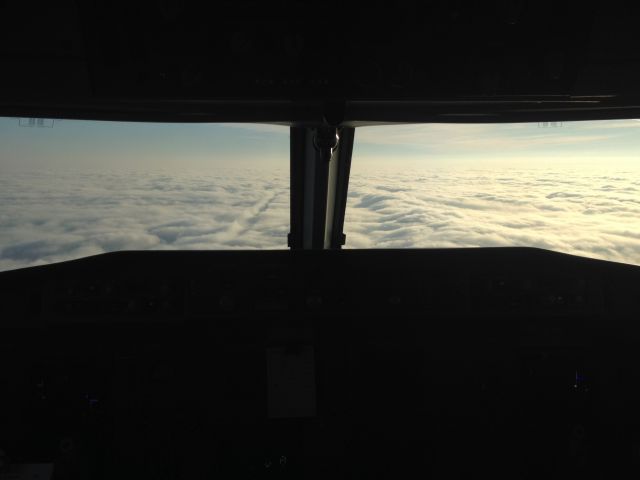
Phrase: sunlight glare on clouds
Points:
(573, 189)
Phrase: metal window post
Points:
(320, 166)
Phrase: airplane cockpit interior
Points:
(427, 267)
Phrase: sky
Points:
(75, 188)
(516, 145)
(93, 146)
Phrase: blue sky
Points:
(519, 145)
(98, 146)
(122, 146)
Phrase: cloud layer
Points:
(584, 213)
(52, 217)
(48, 217)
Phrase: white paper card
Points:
(291, 382)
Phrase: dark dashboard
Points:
(510, 362)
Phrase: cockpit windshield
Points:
(571, 187)
(73, 188)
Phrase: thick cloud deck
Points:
(48, 217)
(583, 213)
(52, 217)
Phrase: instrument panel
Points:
(298, 363)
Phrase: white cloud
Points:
(46, 217)
(572, 211)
